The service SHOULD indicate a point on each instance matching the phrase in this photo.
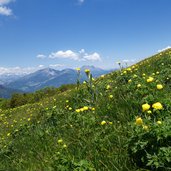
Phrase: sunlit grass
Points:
(109, 123)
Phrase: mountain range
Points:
(46, 77)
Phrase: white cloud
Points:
(168, 47)
(41, 66)
(78, 56)
(64, 54)
(5, 11)
(56, 65)
(128, 60)
(41, 56)
(4, 2)
(92, 57)
(19, 70)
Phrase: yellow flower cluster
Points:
(60, 141)
(85, 108)
(104, 123)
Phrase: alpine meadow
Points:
(120, 121)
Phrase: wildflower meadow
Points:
(117, 122)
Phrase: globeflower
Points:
(145, 127)
(139, 121)
(150, 79)
(85, 107)
(108, 87)
(157, 106)
(78, 69)
(139, 85)
(159, 86)
(77, 110)
(111, 96)
(145, 107)
(87, 71)
(159, 122)
(129, 81)
(149, 111)
(60, 141)
(128, 69)
(103, 122)
(135, 76)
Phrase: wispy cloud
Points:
(4, 10)
(160, 50)
(81, 1)
(4, 2)
(41, 56)
(19, 70)
(56, 65)
(81, 55)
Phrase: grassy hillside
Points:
(118, 122)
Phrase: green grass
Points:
(95, 123)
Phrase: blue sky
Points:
(71, 33)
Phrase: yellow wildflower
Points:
(87, 71)
(145, 107)
(159, 122)
(159, 86)
(139, 85)
(111, 96)
(145, 127)
(108, 87)
(78, 69)
(157, 106)
(139, 121)
(128, 69)
(149, 111)
(129, 81)
(103, 122)
(77, 110)
(60, 141)
(135, 76)
(85, 108)
(70, 108)
(93, 109)
(64, 146)
(150, 79)
(82, 109)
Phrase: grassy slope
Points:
(30, 134)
